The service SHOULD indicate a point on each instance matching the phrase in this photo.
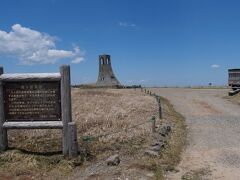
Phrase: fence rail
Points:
(158, 99)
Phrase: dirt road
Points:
(213, 132)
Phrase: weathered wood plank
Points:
(33, 101)
(33, 125)
(65, 104)
(3, 132)
(72, 140)
(31, 77)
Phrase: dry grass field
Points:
(109, 121)
(235, 99)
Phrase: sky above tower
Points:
(151, 42)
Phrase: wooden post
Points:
(72, 140)
(3, 132)
(153, 124)
(160, 111)
(159, 107)
(65, 104)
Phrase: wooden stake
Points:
(153, 124)
(72, 140)
(159, 108)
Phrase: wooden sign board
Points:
(32, 101)
(35, 101)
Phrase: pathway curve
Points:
(213, 131)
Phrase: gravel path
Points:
(213, 132)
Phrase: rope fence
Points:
(151, 120)
(158, 99)
(94, 138)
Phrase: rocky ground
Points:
(213, 120)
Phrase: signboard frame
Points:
(65, 113)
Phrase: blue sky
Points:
(151, 42)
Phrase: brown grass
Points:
(171, 156)
(108, 111)
(177, 142)
(97, 112)
(198, 174)
(235, 99)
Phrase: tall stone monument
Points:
(106, 76)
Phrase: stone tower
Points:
(106, 76)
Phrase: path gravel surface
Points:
(213, 132)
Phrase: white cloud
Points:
(34, 47)
(53, 53)
(77, 60)
(143, 81)
(124, 24)
(215, 66)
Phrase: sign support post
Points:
(3, 132)
(65, 104)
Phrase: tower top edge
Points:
(104, 55)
